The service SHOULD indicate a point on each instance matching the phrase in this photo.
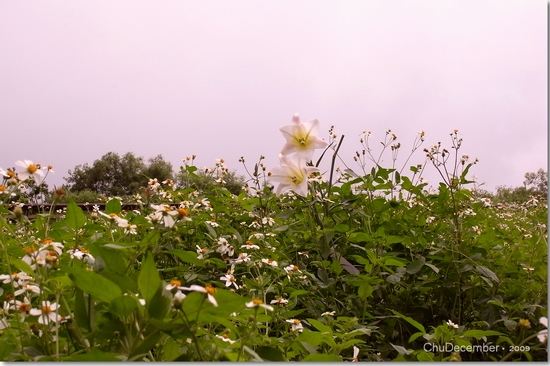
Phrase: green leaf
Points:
(319, 326)
(424, 356)
(395, 262)
(186, 256)
(415, 266)
(297, 293)
(148, 279)
(81, 315)
(359, 237)
(411, 321)
(320, 357)
(271, 354)
(111, 257)
(435, 269)
(160, 304)
(123, 306)
(113, 206)
(401, 350)
(94, 284)
(393, 279)
(75, 217)
(478, 333)
(487, 273)
(148, 343)
(341, 228)
(6, 348)
(414, 336)
(94, 355)
(228, 302)
(22, 266)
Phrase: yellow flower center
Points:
(46, 309)
(257, 301)
(302, 141)
(182, 212)
(296, 322)
(175, 283)
(296, 180)
(209, 289)
(24, 308)
(32, 168)
(2, 188)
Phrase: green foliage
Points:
(368, 267)
(205, 181)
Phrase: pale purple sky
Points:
(219, 78)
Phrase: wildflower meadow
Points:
(360, 263)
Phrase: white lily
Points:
(292, 174)
(301, 138)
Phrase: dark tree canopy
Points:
(113, 175)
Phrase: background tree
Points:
(538, 181)
(113, 175)
(159, 168)
(534, 185)
(206, 181)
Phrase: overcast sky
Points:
(219, 78)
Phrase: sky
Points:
(218, 79)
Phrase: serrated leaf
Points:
(359, 237)
(123, 306)
(148, 279)
(319, 326)
(272, 354)
(394, 262)
(113, 206)
(22, 266)
(186, 256)
(94, 284)
(478, 333)
(75, 217)
(487, 273)
(411, 321)
(416, 266)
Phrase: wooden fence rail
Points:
(33, 209)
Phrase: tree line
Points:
(128, 175)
